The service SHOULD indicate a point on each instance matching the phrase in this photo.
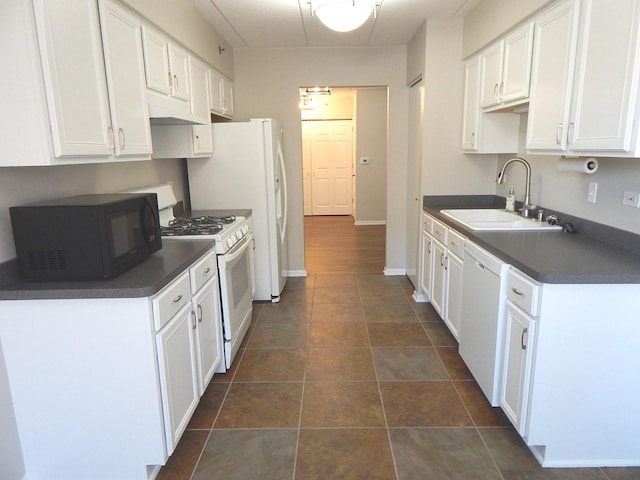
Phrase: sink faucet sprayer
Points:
(526, 207)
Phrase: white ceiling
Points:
(288, 23)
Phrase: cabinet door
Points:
(438, 287)
(125, 76)
(426, 273)
(206, 304)
(73, 69)
(216, 96)
(178, 374)
(551, 73)
(156, 61)
(491, 68)
(227, 88)
(518, 357)
(199, 76)
(471, 112)
(454, 294)
(516, 66)
(179, 67)
(606, 79)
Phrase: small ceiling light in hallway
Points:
(343, 15)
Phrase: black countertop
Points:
(552, 256)
(143, 280)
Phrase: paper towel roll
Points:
(580, 165)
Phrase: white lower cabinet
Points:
(518, 358)
(189, 342)
(178, 374)
(454, 294)
(125, 373)
(441, 270)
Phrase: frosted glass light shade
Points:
(343, 15)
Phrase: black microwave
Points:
(86, 236)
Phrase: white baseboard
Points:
(295, 273)
(419, 297)
(371, 222)
(394, 271)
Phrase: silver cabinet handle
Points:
(170, 78)
(121, 139)
(429, 247)
(454, 244)
(480, 266)
(559, 133)
(571, 133)
(176, 85)
(111, 139)
(517, 292)
(442, 259)
(193, 320)
(446, 263)
(177, 299)
(199, 313)
(522, 344)
(206, 271)
(495, 91)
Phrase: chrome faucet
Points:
(526, 206)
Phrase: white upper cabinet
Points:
(76, 85)
(221, 94)
(74, 77)
(126, 80)
(605, 87)
(485, 132)
(166, 65)
(552, 70)
(584, 96)
(506, 69)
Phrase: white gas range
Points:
(232, 232)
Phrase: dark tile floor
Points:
(347, 378)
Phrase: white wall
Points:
(371, 141)
(445, 169)
(266, 85)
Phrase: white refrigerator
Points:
(247, 170)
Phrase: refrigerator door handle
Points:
(283, 188)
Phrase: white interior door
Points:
(331, 156)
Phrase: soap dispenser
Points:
(511, 201)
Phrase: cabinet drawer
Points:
(427, 223)
(523, 292)
(440, 232)
(455, 243)
(202, 271)
(170, 300)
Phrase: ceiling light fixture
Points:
(318, 90)
(343, 15)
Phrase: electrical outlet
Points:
(365, 160)
(593, 191)
(632, 199)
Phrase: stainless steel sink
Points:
(496, 219)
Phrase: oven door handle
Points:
(238, 249)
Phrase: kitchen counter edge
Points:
(551, 257)
(143, 280)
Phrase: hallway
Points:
(348, 378)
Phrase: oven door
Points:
(236, 294)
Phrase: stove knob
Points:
(230, 242)
(245, 229)
(238, 234)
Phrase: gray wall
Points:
(274, 93)
(371, 141)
